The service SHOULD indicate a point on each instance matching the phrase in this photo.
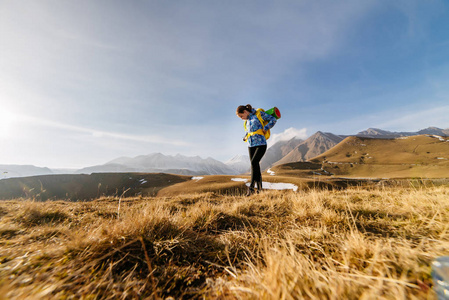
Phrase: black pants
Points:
(255, 155)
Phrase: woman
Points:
(257, 143)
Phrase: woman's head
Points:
(243, 111)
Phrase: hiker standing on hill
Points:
(256, 133)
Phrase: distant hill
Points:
(8, 171)
(298, 169)
(63, 171)
(435, 131)
(315, 145)
(424, 156)
(160, 163)
(86, 187)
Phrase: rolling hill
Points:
(8, 171)
(422, 156)
(87, 187)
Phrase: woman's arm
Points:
(271, 120)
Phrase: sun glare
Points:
(7, 120)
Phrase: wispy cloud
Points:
(150, 139)
(411, 118)
(288, 134)
(436, 116)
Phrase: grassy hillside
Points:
(86, 187)
(407, 157)
(212, 183)
(298, 169)
(349, 244)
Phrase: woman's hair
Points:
(242, 108)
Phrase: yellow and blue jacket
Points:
(254, 127)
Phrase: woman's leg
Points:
(255, 155)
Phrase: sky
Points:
(84, 82)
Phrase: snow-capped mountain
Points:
(239, 163)
(158, 162)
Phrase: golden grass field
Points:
(355, 243)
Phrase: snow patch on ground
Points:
(271, 185)
(197, 178)
(278, 186)
(239, 179)
(142, 181)
(271, 172)
(439, 137)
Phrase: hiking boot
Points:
(250, 191)
(259, 187)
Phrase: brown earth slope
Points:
(422, 156)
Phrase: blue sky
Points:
(84, 82)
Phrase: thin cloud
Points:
(404, 119)
(152, 139)
(436, 116)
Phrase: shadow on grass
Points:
(164, 260)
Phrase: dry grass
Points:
(351, 244)
(221, 184)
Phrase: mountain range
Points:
(239, 163)
(282, 152)
(278, 151)
(315, 145)
(160, 163)
(379, 133)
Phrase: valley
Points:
(356, 160)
